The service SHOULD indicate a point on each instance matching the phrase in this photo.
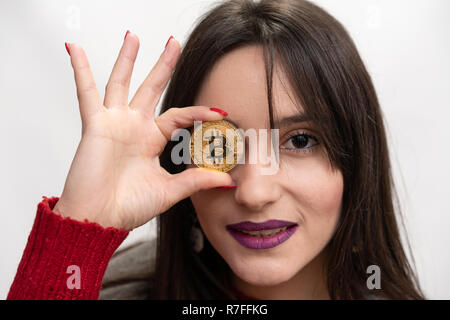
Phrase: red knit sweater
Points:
(64, 258)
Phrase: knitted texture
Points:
(64, 259)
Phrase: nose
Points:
(255, 190)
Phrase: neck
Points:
(308, 284)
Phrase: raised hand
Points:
(115, 178)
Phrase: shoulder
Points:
(129, 274)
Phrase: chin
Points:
(262, 273)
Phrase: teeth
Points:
(263, 233)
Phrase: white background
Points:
(405, 45)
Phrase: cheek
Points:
(318, 192)
(323, 192)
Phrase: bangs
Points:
(308, 99)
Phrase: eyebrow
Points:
(296, 118)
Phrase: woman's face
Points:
(304, 191)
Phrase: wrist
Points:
(66, 211)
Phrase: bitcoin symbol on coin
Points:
(216, 145)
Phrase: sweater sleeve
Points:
(64, 258)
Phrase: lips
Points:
(263, 235)
(253, 226)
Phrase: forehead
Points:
(237, 83)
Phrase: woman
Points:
(333, 189)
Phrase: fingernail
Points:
(233, 185)
(219, 111)
(128, 31)
(168, 41)
(67, 48)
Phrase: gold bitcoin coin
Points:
(216, 145)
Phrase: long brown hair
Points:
(336, 91)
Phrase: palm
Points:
(123, 165)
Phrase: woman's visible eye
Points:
(301, 142)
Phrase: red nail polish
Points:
(168, 41)
(67, 48)
(226, 187)
(128, 31)
(224, 113)
(233, 185)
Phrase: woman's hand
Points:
(115, 178)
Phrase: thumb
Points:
(190, 181)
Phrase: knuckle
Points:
(87, 88)
(172, 111)
(195, 183)
(82, 67)
(128, 58)
(168, 115)
(116, 82)
(156, 88)
(149, 89)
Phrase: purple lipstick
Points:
(264, 235)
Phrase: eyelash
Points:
(305, 149)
